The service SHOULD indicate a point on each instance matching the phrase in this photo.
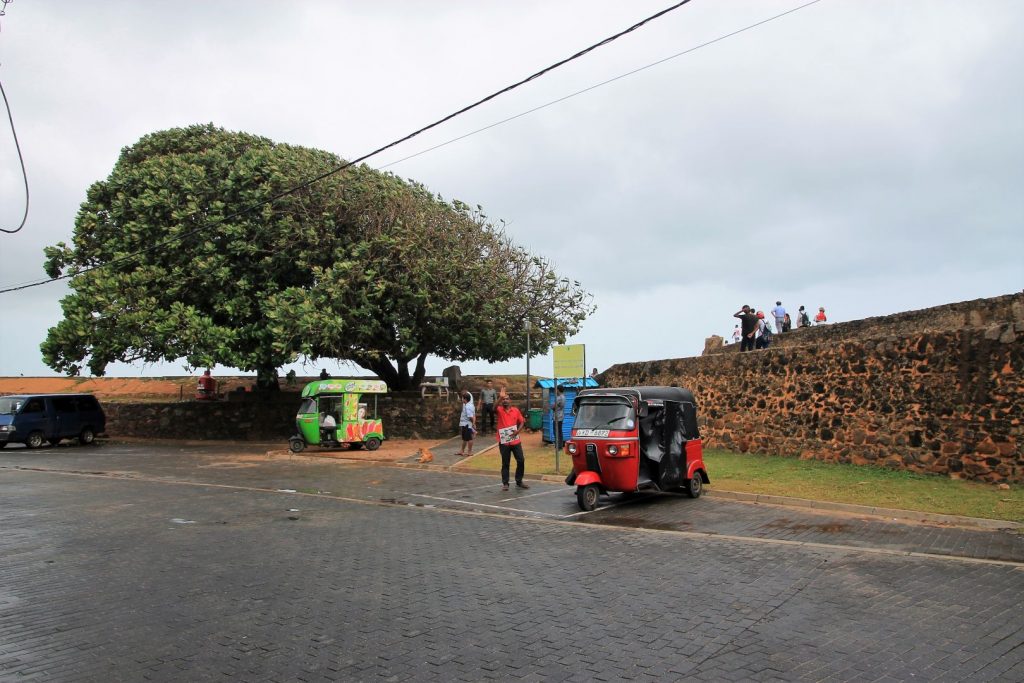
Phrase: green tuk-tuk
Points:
(341, 400)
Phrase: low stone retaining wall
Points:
(271, 417)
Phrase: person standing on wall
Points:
(510, 424)
(820, 318)
(803, 320)
(558, 414)
(488, 401)
(748, 321)
(779, 313)
(764, 332)
(467, 425)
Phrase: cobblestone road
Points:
(192, 566)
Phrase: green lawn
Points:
(816, 480)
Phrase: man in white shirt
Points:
(780, 315)
(467, 425)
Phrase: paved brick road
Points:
(192, 567)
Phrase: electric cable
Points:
(598, 85)
(21, 159)
(338, 169)
(322, 176)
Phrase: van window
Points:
(64, 404)
(9, 406)
(88, 403)
(34, 405)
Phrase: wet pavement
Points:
(248, 466)
(164, 562)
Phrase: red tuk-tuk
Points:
(634, 438)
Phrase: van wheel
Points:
(586, 497)
(296, 445)
(34, 440)
(372, 444)
(695, 486)
(87, 436)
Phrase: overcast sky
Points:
(866, 156)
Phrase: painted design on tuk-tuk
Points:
(355, 422)
(358, 431)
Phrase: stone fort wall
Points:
(937, 390)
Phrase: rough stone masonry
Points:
(937, 390)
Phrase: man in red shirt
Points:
(510, 422)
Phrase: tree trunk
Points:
(421, 369)
(403, 373)
(383, 369)
(397, 378)
(266, 379)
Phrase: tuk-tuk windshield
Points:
(308, 406)
(604, 414)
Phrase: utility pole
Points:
(527, 367)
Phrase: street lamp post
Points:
(527, 326)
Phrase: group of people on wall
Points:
(754, 331)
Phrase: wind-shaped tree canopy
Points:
(180, 254)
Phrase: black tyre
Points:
(296, 445)
(34, 440)
(86, 436)
(372, 444)
(695, 486)
(586, 497)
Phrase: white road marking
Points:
(597, 509)
(482, 505)
(471, 488)
(533, 495)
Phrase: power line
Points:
(342, 167)
(601, 84)
(21, 159)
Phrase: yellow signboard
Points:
(570, 360)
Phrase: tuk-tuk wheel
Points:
(372, 444)
(695, 486)
(296, 445)
(586, 497)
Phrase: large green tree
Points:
(179, 254)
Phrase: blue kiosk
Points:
(570, 387)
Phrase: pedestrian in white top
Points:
(467, 424)
(780, 316)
